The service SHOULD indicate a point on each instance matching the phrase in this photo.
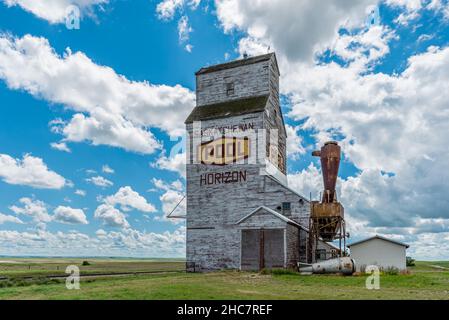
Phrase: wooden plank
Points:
(273, 248)
(250, 253)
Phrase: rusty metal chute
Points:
(327, 215)
(327, 219)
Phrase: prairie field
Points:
(37, 278)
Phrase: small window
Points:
(286, 206)
(320, 254)
(230, 88)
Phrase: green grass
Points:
(57, 266)
(423, 282)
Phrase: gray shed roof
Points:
(378, 237)
(228, 108)
(237, 63)
(275, 213)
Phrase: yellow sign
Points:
(224, 150)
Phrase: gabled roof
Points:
(228, 108)
(287, 187)
(378, 237)
(237, 63)
(275, 213)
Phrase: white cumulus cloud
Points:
(129, 199)
(7, 218)
(295, 146)
(80, 192)
(35, 209)
(109, 108)
(29, 171)
(111, 216)
(100, 181)
(173, 200)
(107, 169)
(176, 163)
(61, 146)
(69, 215)
(126, 243)
(54, 11)
(398, 144)
(303, 27)
(166, 9)
(184, 29)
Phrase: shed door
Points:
(273, 248)
(250, 249)
(262, 248)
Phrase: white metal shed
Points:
(379, 251)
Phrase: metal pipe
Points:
(343, 265)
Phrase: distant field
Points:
(22, 267)
(427, 280)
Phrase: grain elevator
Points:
(241, 214)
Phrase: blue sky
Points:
(130, 71)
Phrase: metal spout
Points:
(330, 162)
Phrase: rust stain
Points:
(330, 162)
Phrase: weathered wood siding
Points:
(274, 245)
(213, 238)
(293, 249)
(250, 249)
(303, 245)
(273, 118)
(248, 80)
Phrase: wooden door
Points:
(262, 248)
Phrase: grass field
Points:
(427, 280)
(22, 267)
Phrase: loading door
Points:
(262, 248)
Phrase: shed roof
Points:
(285, 185)
(378, 237)
(228, 108)
(237, 63)
(275, 213)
